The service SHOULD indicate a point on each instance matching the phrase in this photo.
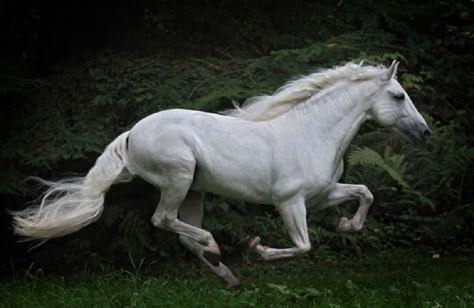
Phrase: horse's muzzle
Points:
(417, 132)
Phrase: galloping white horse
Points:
(286, 149)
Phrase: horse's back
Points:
(176, 126)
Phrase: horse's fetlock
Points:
(357, 227)
(206, 239)
(306, 247)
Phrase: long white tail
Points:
(73, 203)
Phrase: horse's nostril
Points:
(427, 133)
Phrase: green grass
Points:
(400, 279)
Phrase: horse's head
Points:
(392, 107)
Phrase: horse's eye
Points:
(399, 96)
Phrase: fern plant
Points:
(366, 157)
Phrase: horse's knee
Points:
(369, 197)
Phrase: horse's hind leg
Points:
(166, 214)
(191, 212)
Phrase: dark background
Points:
(74, 74)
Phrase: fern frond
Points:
(366, 157)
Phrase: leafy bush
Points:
(418, 187)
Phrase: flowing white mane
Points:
(266, 107)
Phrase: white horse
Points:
(286, 149)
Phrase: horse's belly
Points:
(231, 184)
(233, 160)
(315, 199)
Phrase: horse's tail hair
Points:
(70, 204)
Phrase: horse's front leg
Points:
(294, 216)
(343, 193)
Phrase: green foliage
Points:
(366, 157)
(413, 188)
(69, 115)
(130, 228)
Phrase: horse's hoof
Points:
(253, 242)
(249, 243)
(233, 285)
(344, 225)
(212, 257)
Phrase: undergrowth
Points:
(395, 279)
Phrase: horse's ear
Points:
(390, 72)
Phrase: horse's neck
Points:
(334, 116)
